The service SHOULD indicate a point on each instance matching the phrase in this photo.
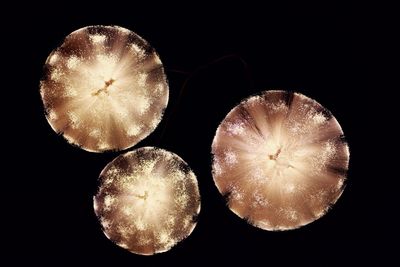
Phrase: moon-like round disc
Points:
(147, 200)
(280, 160)
(104, 88)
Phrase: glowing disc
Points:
(104, 88)
(147, 200)
(280, 160)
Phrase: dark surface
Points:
(214, 57)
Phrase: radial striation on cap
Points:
(147, 201)
(280, 160)
(104, 88)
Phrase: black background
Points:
(214, 56)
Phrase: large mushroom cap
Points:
(280, 159)
(104, 88)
